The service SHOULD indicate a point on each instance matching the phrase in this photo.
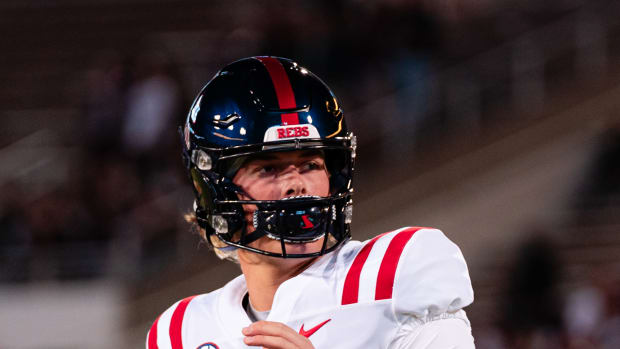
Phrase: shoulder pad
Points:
(419, 269)
(432, 277)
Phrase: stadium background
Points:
(496, 121)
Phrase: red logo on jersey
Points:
(208, 345)
(311, 331)
(307, 223)
(299, 131)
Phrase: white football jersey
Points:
(358, 296)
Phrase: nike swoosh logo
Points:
(311, 331)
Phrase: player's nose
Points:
(292, 183)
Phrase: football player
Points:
(271, 162)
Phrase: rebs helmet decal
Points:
(254, 106)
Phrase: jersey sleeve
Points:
(431, 277)
(166, 331)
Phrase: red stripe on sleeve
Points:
(284, 90)
(176, 323)
(350, 291)
(152, 341)
(387, 270)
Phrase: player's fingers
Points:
(268, 342)
(269, 328)
(277, 329)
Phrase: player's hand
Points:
(274, 335)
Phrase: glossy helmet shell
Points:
(256, 105)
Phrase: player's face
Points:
(275, 176)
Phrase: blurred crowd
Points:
(105, 209)
(562, 290)
(538, 309)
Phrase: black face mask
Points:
(290, 221)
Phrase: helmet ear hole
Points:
(207, 195)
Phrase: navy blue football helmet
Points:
(258, 105)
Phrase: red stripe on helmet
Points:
(152, 340)
(387, 270)
(284, 90)
(176, 323)
(350, 291)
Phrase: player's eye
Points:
(265, 170)
(312, 165)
